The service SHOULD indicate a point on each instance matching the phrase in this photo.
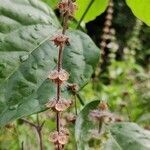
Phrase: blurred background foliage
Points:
(124, 81)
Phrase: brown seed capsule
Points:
(103, 44)
(103, 106)
(106, 29)
(109, 17)
(59, 77)
(70, 117)
(51, 103)
(67, 7)
(110, 10)
(105, 36)
(73, 87)
(98, 115)
(108, 23)
(111, 4)
(53, 137)
(60, 39)
(64, 131)
(63, 75)
(60, 137)
(119, 119)
(62, 104)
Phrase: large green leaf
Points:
(52, 3)
(27, 56)
(141, 9)
(119, 136)
(84, 125)
(97, 7)
(130, 136)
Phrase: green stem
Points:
(84, 14)
(80, 99)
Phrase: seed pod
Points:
(108, 23)
(63, 75)
(51, 103)
(60, 39)
(103, 44)
(59, 77)
(106, 30)
(67, 7)
(110, 10)
(70, 117)
(109, 17)
(97, 115)
(60, 137)
(62, 104)
(103, 106)
(73, 87)
(53, 137)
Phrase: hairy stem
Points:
(59, 67)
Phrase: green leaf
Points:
(27, 56)
(130, 136)
(84, 125)
(52, 3)
(96, 8)
(141, 9)
(118, 136)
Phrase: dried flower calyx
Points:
(60, 105)
(60, 39)
(67, 7)
(59, 76)
(70, 117)
(73, 87)
(101, 113)
(60, 137)
(97, 114)
(103, 106)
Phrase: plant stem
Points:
(40, 139)
(59, 67)
(38, 128)
(100, 126)
(75, 99)
(84, 14)
(80, 99)
(22, 145)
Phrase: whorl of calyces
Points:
(107, 31)
(59, 76)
